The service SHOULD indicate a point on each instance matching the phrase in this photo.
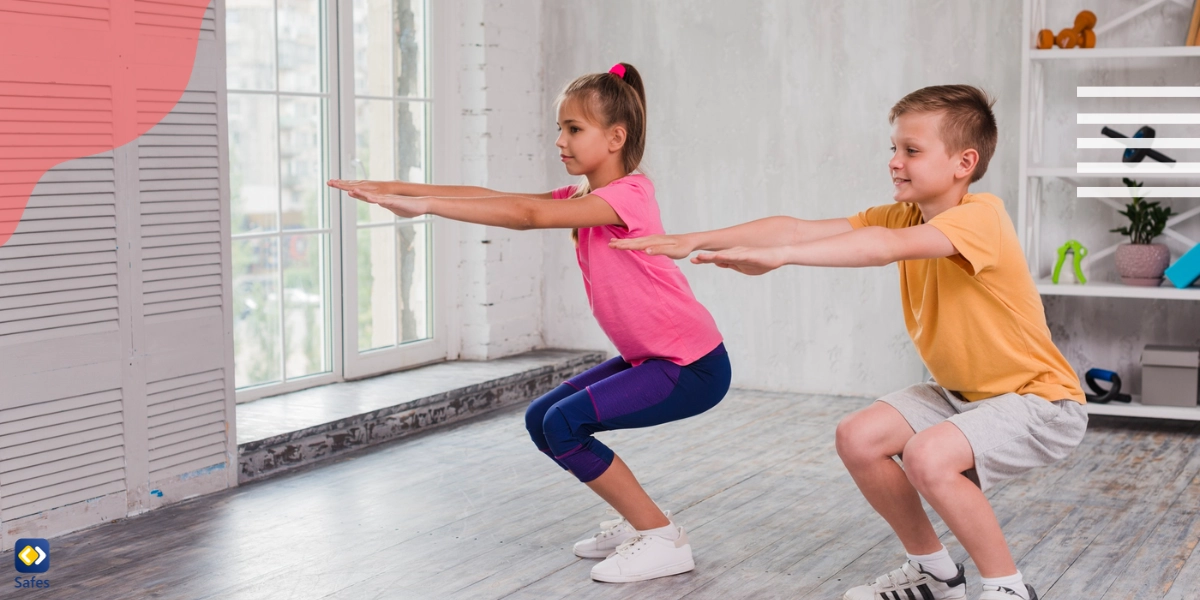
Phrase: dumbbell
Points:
(1081, 35)
(1133, 155)
(1101, 395)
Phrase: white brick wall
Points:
(504, 148)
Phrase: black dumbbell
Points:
(1101, 395)
(1133, 155)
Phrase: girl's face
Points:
(921, 168)
(584, 145)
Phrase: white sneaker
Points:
(612, 534)
(646, 557)
(909, 582)
(1003, 593)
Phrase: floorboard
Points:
(474, 512)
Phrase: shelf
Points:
(1086, 53)
(1137, 409)
(1073, 173)
(1104, 289)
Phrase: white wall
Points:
(503, 147)
(780, 107)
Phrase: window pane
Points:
(300, 45)
(256, 311)
(253, 163)
(410, 48)
(376, 288)
(305, 304)
(411, 142)
(301, 167)
(389, 42)
(412, 246)
(375, 151)
(250, 44)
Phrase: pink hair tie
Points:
(618, 70)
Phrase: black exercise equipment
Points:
(1137, 154)
(1103, 396)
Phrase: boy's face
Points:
(921, 167)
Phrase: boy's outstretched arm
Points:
(865, 247)
(771, 231)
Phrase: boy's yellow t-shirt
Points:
(976, 317)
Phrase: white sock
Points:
(669, 531)
(939, 564)
(1013, 582)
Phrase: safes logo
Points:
(32, 555)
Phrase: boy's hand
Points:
(749, 261)
(359, 185)
(671, 246)
(403, 206)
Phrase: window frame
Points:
(340, 220)
(440, 93)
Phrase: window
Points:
(326, 287)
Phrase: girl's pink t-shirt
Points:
(642, 301)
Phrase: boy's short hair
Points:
(967, 119)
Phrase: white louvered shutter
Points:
(61, 414)
(182, 263)
(116, 388)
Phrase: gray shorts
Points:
(1009, 434)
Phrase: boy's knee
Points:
(924, 465)
(845, 435)
(857, 439)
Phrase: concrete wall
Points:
(780, 107)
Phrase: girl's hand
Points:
(671, 246)
(359, 185)
(403, 206)
(749, 261)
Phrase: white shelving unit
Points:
(1094, 53)
(1137, 409)
(1104, 289)
(1034, 65)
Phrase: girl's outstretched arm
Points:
(771, 231)
(512, 212)
(403, 188)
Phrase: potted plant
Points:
(1141, 262)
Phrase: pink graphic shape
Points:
(83, 77)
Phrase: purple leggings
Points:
(618, 395)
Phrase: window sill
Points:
(283, 432)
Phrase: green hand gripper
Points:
(1077, 253)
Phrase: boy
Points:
(1005, 400)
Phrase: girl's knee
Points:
(556, 427)
(535, 413)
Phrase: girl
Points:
(672, 362)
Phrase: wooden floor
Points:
(474, 511)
